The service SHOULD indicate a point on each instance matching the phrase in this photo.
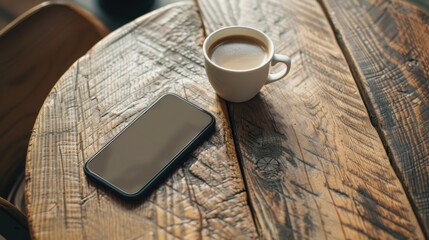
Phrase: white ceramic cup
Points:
(242, 85)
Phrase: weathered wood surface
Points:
(314, 165)
(99, 96)
(387, 46)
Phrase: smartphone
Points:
(144, 152)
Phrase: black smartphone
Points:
(143, 153)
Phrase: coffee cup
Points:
(238, 61)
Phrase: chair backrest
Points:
(13, 224)
(35, 50)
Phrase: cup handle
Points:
(278, 58)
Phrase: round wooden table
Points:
(300, 160)
(96, 98)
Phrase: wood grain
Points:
(387, 46)
(98, 96)
(314, 165)
(36, 49)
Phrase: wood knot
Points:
(268, 167)
(412, 62)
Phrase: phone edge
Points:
(164, 172)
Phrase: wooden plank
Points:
(99, 96)
(387, 46)
(314, 166)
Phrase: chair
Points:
(35, 50)
(13, 224)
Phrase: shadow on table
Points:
(260, 131)
(259, 134)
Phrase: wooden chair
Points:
(35, 50)
(13, 224)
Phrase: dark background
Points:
(123, 12)
(113, 13)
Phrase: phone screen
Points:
(143, 150)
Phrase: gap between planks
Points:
(371, 113)
(235, 140)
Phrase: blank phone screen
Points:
(143, 150)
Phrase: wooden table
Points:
(337, 150)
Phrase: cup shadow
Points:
(259, 136)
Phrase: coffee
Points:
(238, 52)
